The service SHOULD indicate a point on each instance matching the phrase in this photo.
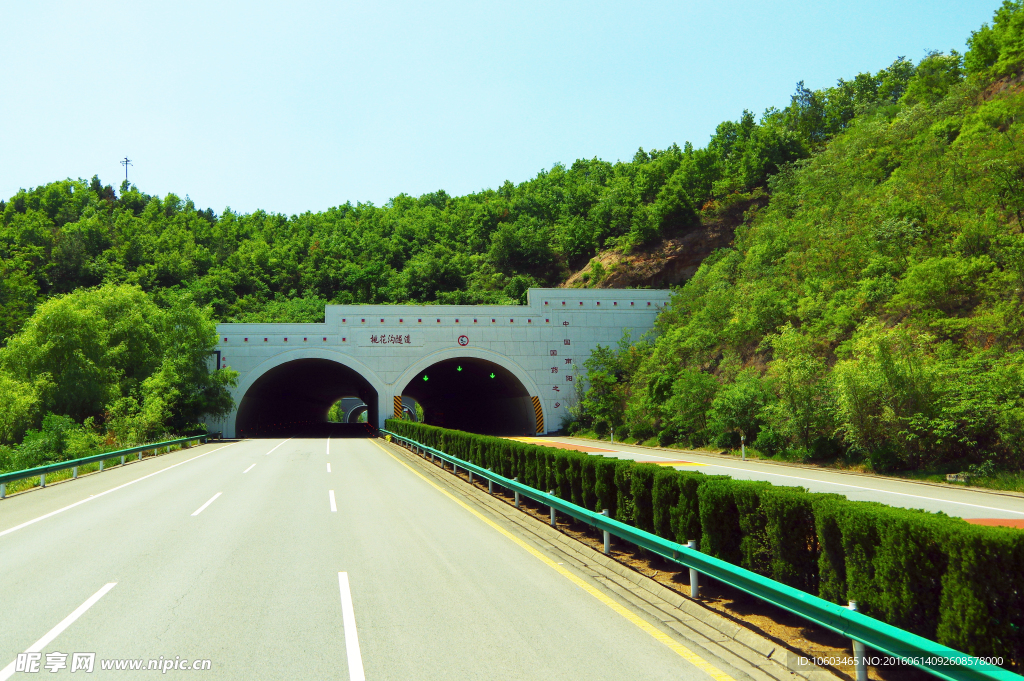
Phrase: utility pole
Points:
(126, 162)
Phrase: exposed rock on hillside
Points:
(672, 260)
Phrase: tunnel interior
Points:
(474, 395)
(357, 413)
(293, 400)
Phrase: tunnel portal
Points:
(290, 373)
(293, 399)
(475, 395)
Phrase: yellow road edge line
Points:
(633, 618)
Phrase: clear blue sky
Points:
(299, 106)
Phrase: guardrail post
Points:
(694, 575)
(101, 465)
(470, 477)
(490, 485)
(859, 653)
(42, 480)
(140, 455)
(517, 492)
(552, 493)
(607, 536)
(455, 469)
(3, 490)
(122, 459)
(74, 472)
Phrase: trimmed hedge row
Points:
(939, 577)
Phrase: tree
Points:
(112, 354)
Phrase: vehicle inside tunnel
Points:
(474, 395)
(294, 399)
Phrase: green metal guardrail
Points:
(41, 471)
(937, 659)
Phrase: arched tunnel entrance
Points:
(293, 400)
(475, 395)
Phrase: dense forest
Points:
(872, 310)
(869, 306)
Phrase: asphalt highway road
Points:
(295, 559)
(962, 502)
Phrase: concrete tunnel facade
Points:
(498, 369)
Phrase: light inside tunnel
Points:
(474, 395)
(295, 398)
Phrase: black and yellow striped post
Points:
(539, 413)
(398, 406)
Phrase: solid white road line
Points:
(328, 467)
(36, 647)
(203, 507)
(348, 616)
(837, 484)
(114, 489)
(249, 468)
(268, 453)
(334, 507)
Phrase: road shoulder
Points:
(721, 642)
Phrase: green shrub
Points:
(576, 477)
(831, 555)
(685, 513)
(547, 474)
(894, 563)
(588, 481)
(641, 488)
(625, 511)
(792, 543)
(562, 482)
(664, 498)
(982, 608)
(530, 468)
(604, 487)
(519, 455)
(506, 462)
(752, 524)
(719, 521)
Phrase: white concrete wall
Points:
(556, 330)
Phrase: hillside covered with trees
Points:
(868, 307)
(871, 312)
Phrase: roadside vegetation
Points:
(104, 368)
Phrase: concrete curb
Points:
(702, 630)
